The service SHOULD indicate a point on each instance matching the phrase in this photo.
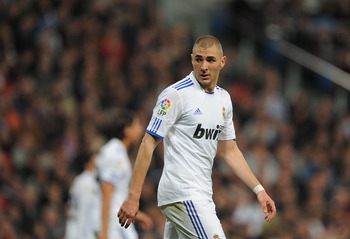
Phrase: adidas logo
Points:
(198, 112)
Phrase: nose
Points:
(204, 66)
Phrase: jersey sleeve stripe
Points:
(183, 82)
(151, 133)
(156, 125)
(154, 122)
(184, 86)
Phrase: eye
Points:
(198, 59)
(211, 59)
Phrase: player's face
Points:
(207, 63)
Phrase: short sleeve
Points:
(228, 131)
(107, 169)
(109, 175)
(167, 110)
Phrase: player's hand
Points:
(128, 211)
(268, 205)
(144, 221)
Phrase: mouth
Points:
(205, 76)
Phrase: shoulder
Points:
(185, 88)
(176, 92)
(79, 181)
(186, 82)
(178, 88)
(112, 145)
(222, 92)
(110, 150)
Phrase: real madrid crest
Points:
(224, 113)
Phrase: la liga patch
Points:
(165, 104)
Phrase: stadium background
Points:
(63, 64)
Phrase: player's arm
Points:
(129, 209)
(234, 158)
(107, 190)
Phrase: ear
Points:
(223, 61)
(192, 61)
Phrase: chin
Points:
(205, 82)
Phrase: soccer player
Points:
(194, 119)
(114, 171)
(84, 203)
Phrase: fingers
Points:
(271, 211)
(264, 208)
(125, 219)
(268, 206)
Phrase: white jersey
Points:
(113, 166)
(191, 121)
(84, 207)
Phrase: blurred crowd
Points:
(64, 64)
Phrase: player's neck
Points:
(207, 88)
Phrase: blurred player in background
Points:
(84, 203)
(115, 170)
(194, 119)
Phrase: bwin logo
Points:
(212, 134)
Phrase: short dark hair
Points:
(208, 41)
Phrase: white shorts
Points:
(117, 232)
(73, 231)
(190, 219)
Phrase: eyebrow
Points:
(208, 57)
